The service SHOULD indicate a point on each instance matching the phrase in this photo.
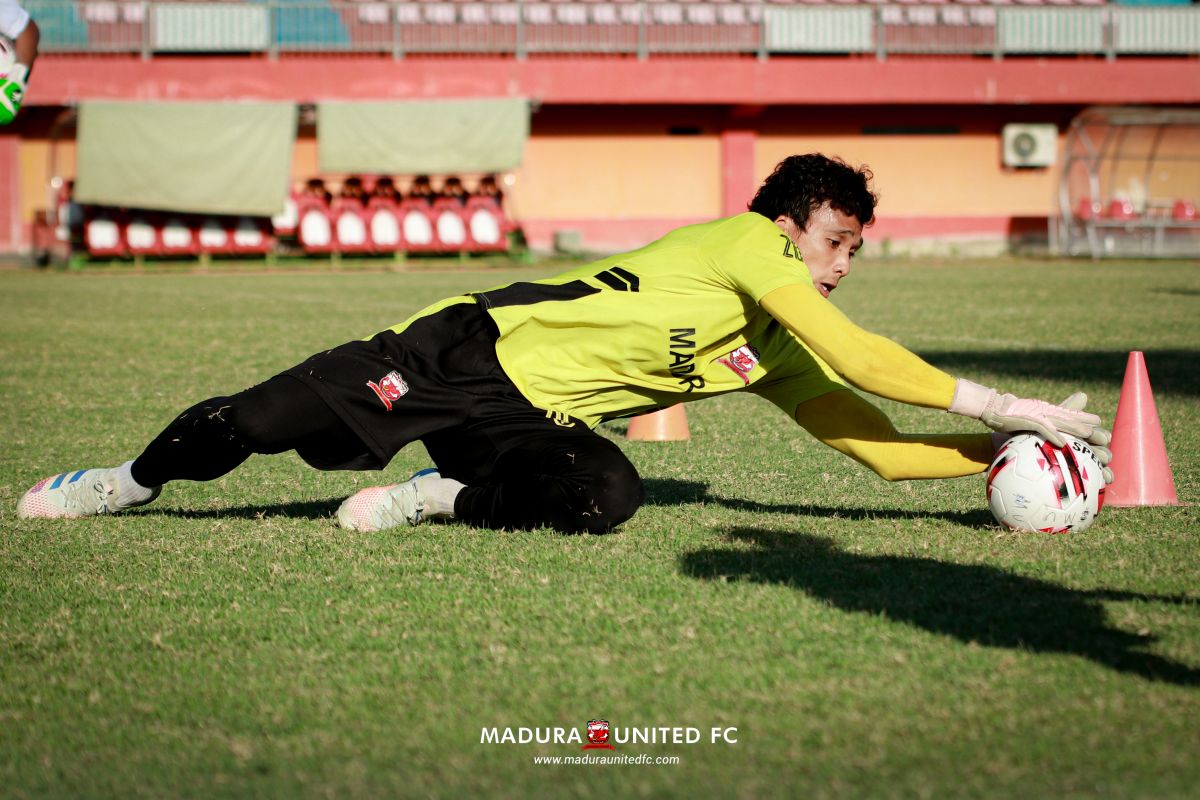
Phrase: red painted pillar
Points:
(10, 194)
(737, 170)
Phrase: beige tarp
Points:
(422, 136)
(221, 158)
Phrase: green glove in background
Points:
(12, 91)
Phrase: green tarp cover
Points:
(422, 136)
(219, 158)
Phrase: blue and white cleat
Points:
(84, 493)
(381, 507)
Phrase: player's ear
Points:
(788, 226)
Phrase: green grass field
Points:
(866, 639)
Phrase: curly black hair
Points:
(801, 184)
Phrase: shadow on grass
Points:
(312, 509)
(671, 491)
(1171, 371)
(972, 603)
(659, 492)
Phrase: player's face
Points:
(826, 245)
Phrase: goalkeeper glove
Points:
(12, 90)
(1076, 402)
(1008, 414)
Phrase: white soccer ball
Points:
(8, 55)
(1034, 486)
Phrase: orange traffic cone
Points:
(668, 425)
(1141, 472)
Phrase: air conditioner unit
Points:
(1030, 144)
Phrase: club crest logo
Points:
(741, 361)
(597, 735)
(390, 387)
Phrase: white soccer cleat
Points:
(381, 507)
(70, 495)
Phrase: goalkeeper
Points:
(505, 387)
(16, 24)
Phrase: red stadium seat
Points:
(315, 229)
(631, 15)
(417, 226)
(143, 234)
(487, 225)
(383, 225)
(1086, 209)
(284, 223)
(1121, 209)
(215, 236)
(450, 225)
(350, 226)
(104, 232)
(1184, 211)
(177, 235)
(252, 236)
(571, 15)
(605, 14)
(667, 15)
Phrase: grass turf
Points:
(865, 638)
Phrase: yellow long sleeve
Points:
(851, 425)
(870, 362)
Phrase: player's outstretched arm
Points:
(851, 425)
(871, 362)
(883, 367)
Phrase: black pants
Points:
(523, 468)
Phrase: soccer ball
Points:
(8, 55)
(1034, 486)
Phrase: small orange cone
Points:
(668, 425)
(1141, 472)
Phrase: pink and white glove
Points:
(1008, 413)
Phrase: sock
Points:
(439, 494)
(129, 491)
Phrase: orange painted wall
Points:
(929, 175)
(34, 173)
(618, 177)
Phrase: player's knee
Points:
(241, 421)
(613, 495)
(250, 417)
(212, 417)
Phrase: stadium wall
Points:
(621, 150)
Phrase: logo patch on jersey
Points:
(390, 387)
(741, 361)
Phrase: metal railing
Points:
(635, 28)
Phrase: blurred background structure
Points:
(160, 128)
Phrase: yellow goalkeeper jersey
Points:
(676, 321)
